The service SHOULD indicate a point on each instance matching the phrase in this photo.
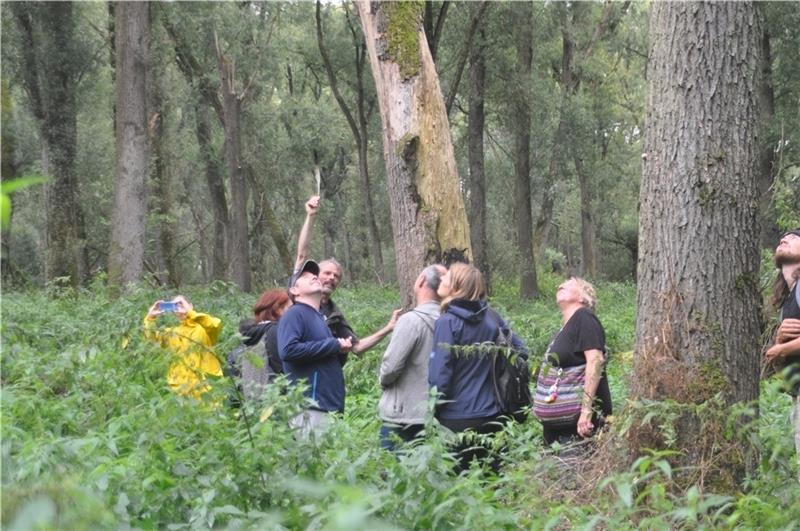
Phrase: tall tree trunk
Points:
(528, 286)
(698, 294)
(50, 76)
(588, 254)
(372, 224)
(477, 170)
(429, 221)
(544, 220)
(216, 192)
(238, 244)
(163, 197)
(129, 219)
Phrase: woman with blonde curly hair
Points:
(580, 342)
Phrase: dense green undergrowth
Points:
(92, 438)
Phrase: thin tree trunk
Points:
(588, 254)
(216, 192)
(429, 221)
(272, 224)
(544, 220)
(477, 18)
(238, 243)
(698, 277)
(522, 152)
(164, 197)
(477, 170)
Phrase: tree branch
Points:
(473, 26)
(261, 51)
(433, 42)
(190, 67)
(607, 25)
(332, 77)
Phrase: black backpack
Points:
(511, 377)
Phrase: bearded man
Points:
(786, 297)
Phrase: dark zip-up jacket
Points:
(310, 352)
(463, 376)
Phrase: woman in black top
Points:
(581, 340)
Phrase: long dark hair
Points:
(780, 289)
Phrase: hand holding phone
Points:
(169, 306)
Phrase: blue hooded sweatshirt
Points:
(310, 352)
(464, 379)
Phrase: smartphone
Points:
(168, 306)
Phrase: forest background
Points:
(546, 105)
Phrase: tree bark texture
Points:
(698, 293)
(238, 243)
(528, 286)
(477, 168)
(429, 220)
(129, 219)
(50, 77)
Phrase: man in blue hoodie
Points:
(310, 352)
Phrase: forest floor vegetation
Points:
(92, 437)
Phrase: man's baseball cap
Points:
(309, 265)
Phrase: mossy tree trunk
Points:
(698, 322)
(429, 220)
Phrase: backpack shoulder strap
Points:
(426, 319)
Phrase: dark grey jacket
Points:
(404, 369)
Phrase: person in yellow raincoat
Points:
(191, 341)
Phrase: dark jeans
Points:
(405, 432)
(470, 449)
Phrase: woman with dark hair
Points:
(262, 330)
(460, 369)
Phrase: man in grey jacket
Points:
(404, 369)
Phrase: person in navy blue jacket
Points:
(310, 352)
(459, 369)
